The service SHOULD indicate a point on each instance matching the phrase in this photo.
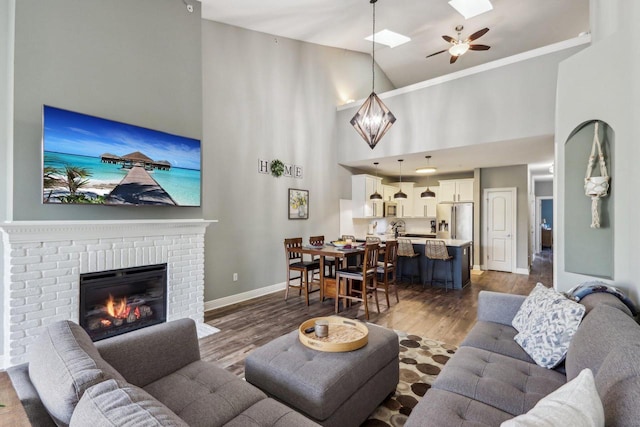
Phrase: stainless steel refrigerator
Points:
(454, 221)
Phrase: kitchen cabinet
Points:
(362, 187)
(388, 191)
(424, 208)
(456, 190)
(405, 206)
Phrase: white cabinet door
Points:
(405, 206)
(362, 187)
(465, 190)
(424, 208)
(388, 191)
(447, 191)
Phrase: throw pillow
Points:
(550, 329)
(63, 363)
(537, 300)
(576, 403)
(114, 403)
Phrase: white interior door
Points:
(501, 231)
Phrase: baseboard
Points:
(477, 267)
(524, 271)
(2, 362)
(244, 296)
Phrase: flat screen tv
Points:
(89, 160)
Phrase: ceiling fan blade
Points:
(479, 47)
(428, 56)
(453, 59)
(477, 34)
(449, 39)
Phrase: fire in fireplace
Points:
(119, 301)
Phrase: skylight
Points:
(471, 8)
(389, 38)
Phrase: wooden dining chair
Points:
(329, 262)
(297, 264)
(405, 253)
(387, 270)
(436, 250)
(365, 274)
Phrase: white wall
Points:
(511, 102)
(601, 83)
(268, 97)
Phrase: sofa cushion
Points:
(497, 338)
(618, 382)
(202, 391)
(591, 301)
(548, 333)
(511, 385)
(113, 403)
(270, 413)
(604, 329)
(63, 363)
(575, 403)
(441, 408)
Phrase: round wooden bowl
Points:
(344, 335)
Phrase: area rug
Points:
(421, 360)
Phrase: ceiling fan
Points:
(459, 47)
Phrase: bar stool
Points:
(405, 250)
(436, 250)
(296, 263)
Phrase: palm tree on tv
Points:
(75, 178)
(72, 177)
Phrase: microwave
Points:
(390, 209)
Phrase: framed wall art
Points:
(298, 204)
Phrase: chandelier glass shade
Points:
(373, 119)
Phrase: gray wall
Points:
(511, 102)
(136, 62)
(268, 97)
(544, 188)
(600, 83)
(508, 177)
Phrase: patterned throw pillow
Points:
(550, 329)
(539, 298)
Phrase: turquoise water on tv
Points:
(183, 185)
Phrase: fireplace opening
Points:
(118, 301)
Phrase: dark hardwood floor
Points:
(428, 312)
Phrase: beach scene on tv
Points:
(90, 160)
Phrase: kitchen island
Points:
(460, 250)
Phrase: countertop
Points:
(421, 241)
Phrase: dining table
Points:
(341, 254)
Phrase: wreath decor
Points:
(277, 168)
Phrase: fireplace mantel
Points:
(43, 261)
(48, 231)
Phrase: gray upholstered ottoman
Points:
(333, 389)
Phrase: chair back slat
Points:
(436, 249)
(290, 244)
(370, 260)
(316, 240)
(391, 253)
(405, 247)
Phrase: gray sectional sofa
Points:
(149, 377)
(491, 378)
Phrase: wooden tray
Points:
(344, 335)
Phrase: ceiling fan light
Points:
(427, 194)
(459, 48)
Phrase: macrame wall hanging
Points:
(596, 187)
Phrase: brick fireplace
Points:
(43, 261)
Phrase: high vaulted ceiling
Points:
(515, 26)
